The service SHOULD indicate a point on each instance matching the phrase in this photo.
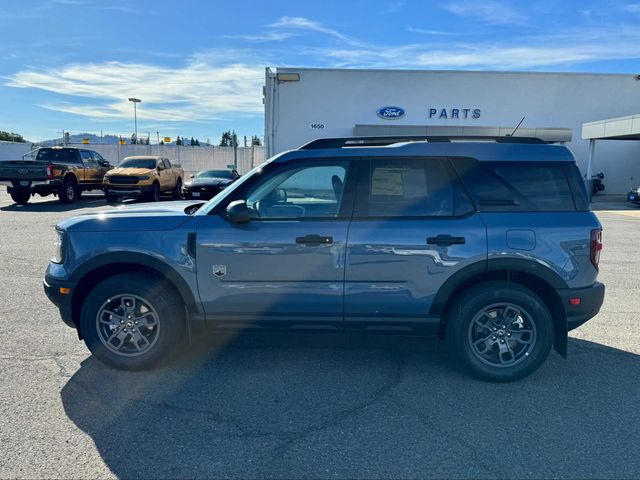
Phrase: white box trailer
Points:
(302, 104)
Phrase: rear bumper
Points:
(591, 299)
(62, 301)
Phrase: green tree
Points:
(193, 142)
(11, 137)
(178, 140)
(227, 139)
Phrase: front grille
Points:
(123, 180)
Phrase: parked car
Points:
(634, 196)
(441, 239)
(596, 183)
(144, 177)
(62, 171)
(208, 183)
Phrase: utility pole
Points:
(234, 137)
(135, 115)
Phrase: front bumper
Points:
(52, 288)
(127, 190)
(591, 299)
(200, 193)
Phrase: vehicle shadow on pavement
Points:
(314, 406)
(54, 205)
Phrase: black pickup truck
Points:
(62, 171)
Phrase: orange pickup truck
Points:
(143, 176)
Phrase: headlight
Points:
(144, 177)
(58, 254)
(187, 184)
(638, 190)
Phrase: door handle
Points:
(314, 240)
(446, 240)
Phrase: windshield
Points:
(57, 155)
(149, 163)
(215, 174)
(211, 204)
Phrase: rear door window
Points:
(516, 186)
(411, 187)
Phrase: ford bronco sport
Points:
(427, 236)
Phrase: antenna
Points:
(517, 126)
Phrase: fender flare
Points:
(142, 260)
(493, 265)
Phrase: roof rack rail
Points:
(383, 141)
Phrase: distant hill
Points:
(93, 139)
(104, 140)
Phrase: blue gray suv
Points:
(488, 244)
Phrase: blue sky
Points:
(198, 66)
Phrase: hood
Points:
(208, 181)
(156, 216)
(130, 171)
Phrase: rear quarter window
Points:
(517, 186)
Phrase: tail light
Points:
(49, 172)
(596, 246)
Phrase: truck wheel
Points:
(499, 331)
(177, 192)
(70, 191)
(154, 193)
(20, 195)
(111, 198)
(132, 321)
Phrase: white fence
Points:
(192, 159)
(13, 150)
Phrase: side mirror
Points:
(238, 212)
(191, 176)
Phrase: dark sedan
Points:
(208, 183)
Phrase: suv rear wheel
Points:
(177, 192)
(499, 331)
(132, 321)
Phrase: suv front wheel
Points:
(132, 321)
(500, 331)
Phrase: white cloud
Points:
(196, 92)
(493, 13)
(265, 37)
(313, 26)
(633, 8)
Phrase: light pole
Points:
(135, 115)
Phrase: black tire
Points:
(20, 195)
(476, 306)
(163, 340)
(70, 191)
(154, 193)
(110, 198)
(177, 192)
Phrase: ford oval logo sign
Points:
(390, 113)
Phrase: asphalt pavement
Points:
(310, 406)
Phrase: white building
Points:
(302, 104)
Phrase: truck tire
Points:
(154, 193)
(132, 321)
(70, 191)
(177, 192)
(110, 197)
(20, 195)
(499, 331)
